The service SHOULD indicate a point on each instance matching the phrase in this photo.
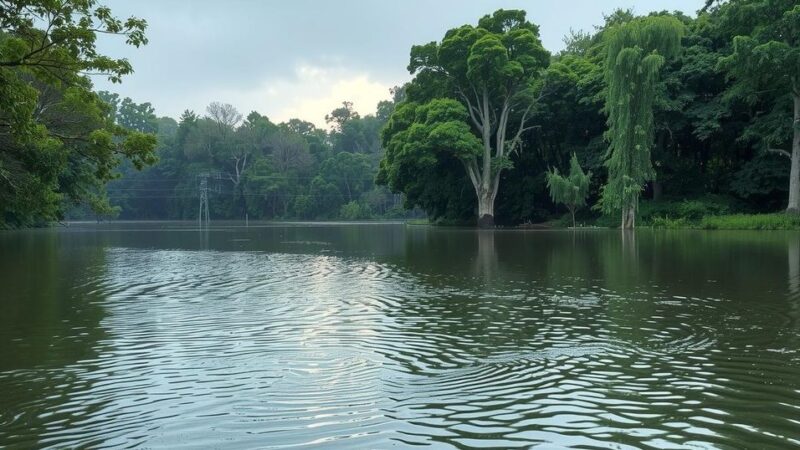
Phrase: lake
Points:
(160, 335)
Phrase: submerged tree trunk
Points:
(486, 209)
(794, 174)
(628, 218)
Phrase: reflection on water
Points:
(373, 336)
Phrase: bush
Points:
(695, 210)
(691, 210)
(353, 211)
(303, 206)
(777, 221)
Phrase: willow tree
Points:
(636, 51)
(493, 70)
(570, 190)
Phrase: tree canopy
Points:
(765, 65)
(570, 190)
(672, 115)
(59, 143)
(635, 53)
(471, 101)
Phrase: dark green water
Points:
(385, 336)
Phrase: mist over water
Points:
(378, 335)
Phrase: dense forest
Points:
(664, 117)
(252, 167)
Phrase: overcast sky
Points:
(302, 58)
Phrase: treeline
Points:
(252, 167)
(693, 116)
(707, 109)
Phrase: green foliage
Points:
(340, 116)
(764, 65)
(259, 169)
(422, 142)
(571, 190)
(636, 52)
(467, 110)
(693, 210)
(778, 221)
(59, 142)
(762, 180)
(353, 211)
(669, 223)
(687, 131)
(689, 210)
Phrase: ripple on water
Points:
(255, 349)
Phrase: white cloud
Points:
(313, 92)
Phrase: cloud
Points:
(312, 92)
(304, 57)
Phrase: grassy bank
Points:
(418, 222)
(775, 221)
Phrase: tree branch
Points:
(780, 152)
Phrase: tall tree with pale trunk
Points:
(766, 63)
(494, 71)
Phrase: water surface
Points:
(385, 336)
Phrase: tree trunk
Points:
(572, 211)
(794, 174)
(486, 209)
(628, 218)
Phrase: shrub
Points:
(692, 210)
(695, 210)
(352, 211)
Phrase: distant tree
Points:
(316, 138)
(571, 191)
(341, 115)
(360, 135)
(386, 107)
(289, 152)
(351, 172)
(636, 52)
(577, 43)
(225, 115)
(352, 211)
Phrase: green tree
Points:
(351, 172)
(352, 211)
(59, 144)
(766, 60)
(570, 190)
(493, 71)
(636, 52)
(341, 115)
